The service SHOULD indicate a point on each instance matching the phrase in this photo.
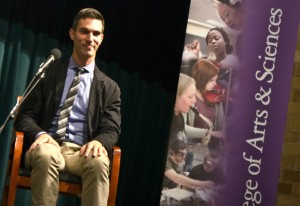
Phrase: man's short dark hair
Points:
(177, 145)
(88, 13)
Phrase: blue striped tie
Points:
(68, 104)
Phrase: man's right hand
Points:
(43, 138)
(206, 185)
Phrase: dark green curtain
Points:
(141, 51)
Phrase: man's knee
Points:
(100, 165)
(46, 155)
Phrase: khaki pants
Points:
(46, 160)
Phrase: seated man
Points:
(72, 119)
(174, 176)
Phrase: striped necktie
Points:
(68, 104)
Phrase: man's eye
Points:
(96, 33)
(84, 31)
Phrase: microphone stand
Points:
(36, 79)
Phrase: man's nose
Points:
(90, 36)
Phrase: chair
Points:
(68, 184)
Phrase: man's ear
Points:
(71, 34)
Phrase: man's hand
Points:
(94, 147)
(206, 185)
(42, 139)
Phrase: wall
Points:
(288, 193)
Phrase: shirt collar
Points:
(90, 68)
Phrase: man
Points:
(174, 176)
(92, 127)
(209, 170)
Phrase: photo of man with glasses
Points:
(209, 170)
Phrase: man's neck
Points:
(83, 61)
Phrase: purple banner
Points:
(250, 84)
(268, 49)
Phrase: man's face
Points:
(87, 38)
(179, 156)
(210, 163)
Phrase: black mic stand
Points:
(36, 79)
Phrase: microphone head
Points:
(56, 53)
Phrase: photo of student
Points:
(208, 112)
(174, 176)
(211, 169)
(185, 98)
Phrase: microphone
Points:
(55, 54)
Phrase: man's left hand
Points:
(94, 147)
